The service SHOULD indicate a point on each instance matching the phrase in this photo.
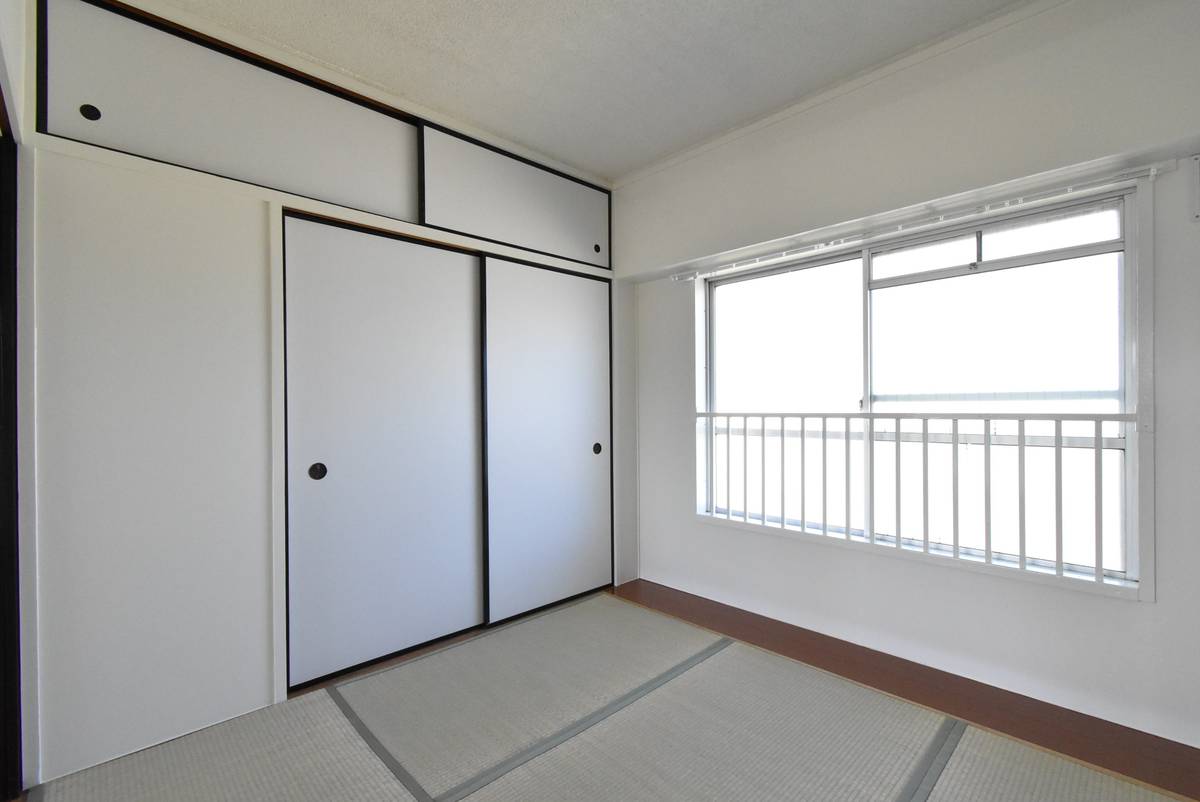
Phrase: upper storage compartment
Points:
(473, 189)
(125, 84)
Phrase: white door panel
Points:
(549, 511)
(166, 98)
(385, 551)
(476, 190)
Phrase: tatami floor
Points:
(596, 699)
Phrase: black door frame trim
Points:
(10, 568)
(248, 57)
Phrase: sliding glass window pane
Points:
(953, 252)
(790, 341)
(1065, 230)
(1041, 338)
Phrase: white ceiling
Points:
(609, 86)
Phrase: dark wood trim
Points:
(394, 659)
(6, 128)
(1143, 757)
(543, 608)
(172, 28)
(10, 615)
(263, 62)
(339, 222)
(376, 663)
(515, 156)
(384, 663)
(485, 542)
(494, 241)
(241, 54)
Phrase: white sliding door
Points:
(548, 443)
(476, 190)
(383, 399)
(118, 83)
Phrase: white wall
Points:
(152, 448)
(1130, 662)
(12, 56)
(1050, 85)
(624, 389)
(154, 459)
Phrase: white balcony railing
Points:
(1040, 493)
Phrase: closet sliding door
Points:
(549, 514)
(383, 446)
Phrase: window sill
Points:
(1120, 589)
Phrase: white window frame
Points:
(1137, 245)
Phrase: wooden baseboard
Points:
(1146, 758)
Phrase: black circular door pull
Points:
(89, 112)
(317, 470)
(596, 247)
(596, 448)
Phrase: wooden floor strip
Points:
(1147, 758)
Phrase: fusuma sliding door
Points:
(549, 483)
(383, 445)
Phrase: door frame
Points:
(278, 213)
(11, 781)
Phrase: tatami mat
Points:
(742, 725)
(991, 768)
(596, 700)
(299, 751)
(463, 710)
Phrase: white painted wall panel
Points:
(1066, 82)
(478, 191)
(549, 495)
(386, 550)
(153, 438)
(163, 97)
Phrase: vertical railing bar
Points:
(728, 468)
(925, 485)
(1058, 513)
(869, 459)
(1021, 492)
(847, 467)
(712, 465)
(987, 491)
(762, 474)
(803, 473)
(782, 472)
(897, 483)
(1099, 503)
(745, 469)
(824, 477)
(954, 480)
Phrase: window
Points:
(789, 340)
(967, 394)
